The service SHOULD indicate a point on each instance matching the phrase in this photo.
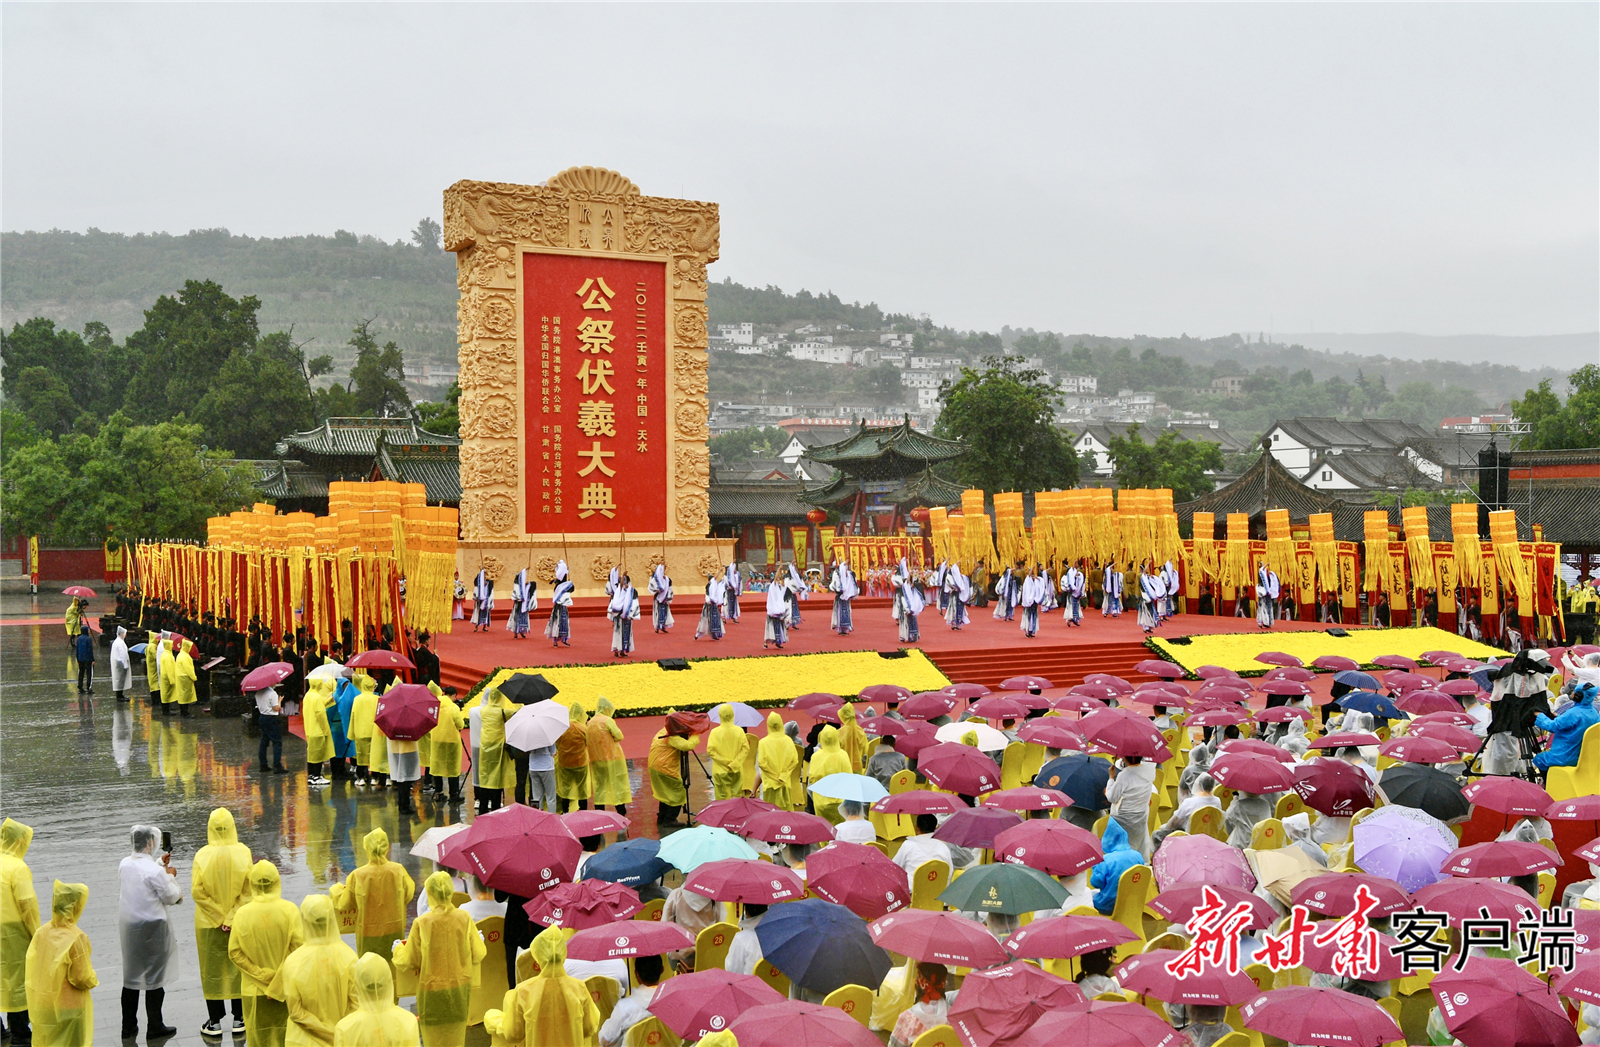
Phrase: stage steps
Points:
(1061, 664)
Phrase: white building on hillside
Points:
(736, 334)
(821, 352)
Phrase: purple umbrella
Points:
(976, 826)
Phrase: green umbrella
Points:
(1004, 888)
(688, 849)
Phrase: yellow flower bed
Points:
(1237, 651)
(644, 688)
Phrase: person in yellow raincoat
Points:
(747, 774)
(318, 980)
(551, 1009)
(608, 768)
(362, 710)
(666, 773)
(377, 1021)
(152, 665)
(778, 760)
(183, 677)
(266, 929)
(166, 662)
(444, 743)
(19, 921)
(496, 771)
(59, 975)
(377, 893)
(73, 619)
(572, 762)
(319, 735)
(852, 739)
(828, 759)
(727, 745)
(219, 884)
(445, 949)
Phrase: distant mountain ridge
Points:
(1563, 351)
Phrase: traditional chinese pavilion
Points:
(883, 470)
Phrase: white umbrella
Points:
(428, 844)
(989, 739)
(538, 725)
(329, 671)
(850, 787)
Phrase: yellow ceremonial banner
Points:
(826, 534)
(1488, 580)
(1280, 545)
(1398, 582)
(1527, 602)
(772, 543)
(1444, 572)
(1419, 549)
(800, 535)
(1468, 547)
(1203, 548)
(33, 558)
(1305, 563)
(1325, 551)
(1375, 529)
(1349, 575)
(1191, 577)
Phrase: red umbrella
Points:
(1301, 1014)
(1061, 937)
(1054, 735)
(929, 704)
(1179, 903)
(407, 712)
(884, 692)
(976, 826)
(1092, 690)
(1460, 688)
(1327, 959)
(1103, 1023)
(1455, 719)
(937, 937)
(966, 691)
(1508, 796)
(859, 878)
(1420, 749)
(1395, 661)
(1589, 852)
(1050, 845)
(1028, 798)
(919, 801)
(826, 713)
(1462, 740)
(1147, 975)
(745, 880)
(1025, 683)
(699, 1004)
(594, 823)
(883, 726)
(1341, 739)
(998, 708)
(1283, 714)
(1278, 658)
(1500, 858)
(1419, 703)
(1583, 981)
(1253, 745)
(78, 590)
(911, 745)
(1435, 657)
(1292, 673)
(1497, 1002)
(1586, 922)
(1402, 682)
(1575, 809)
(1031, 700)
(1116, 683)
(1284, 687)
(959, 768)
(787, 827)
(1334, 894)
(1199, 860)
(1082, 704)
(517, 849)
(1227, 690)
(587, 903)
(732, 814)
(1335, 663)
(1252, 773)
(794, 1023)
(1462, 897)
(269, 675)
(379, 659)
(1124, 733)
(814, 700)
(1334, 787)
(1152, 693)
(633, 938)
(1215, 672)
(1158, 667)
(1218, 718)
(1001, 1002)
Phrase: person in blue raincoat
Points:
(1119, 858)
(1566, 730)
(344, 747)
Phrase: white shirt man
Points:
(922, 848)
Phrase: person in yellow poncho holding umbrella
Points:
(667, 749)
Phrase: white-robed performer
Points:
(623, 610)
(732, 583)
(1151, 591)
(1169, 575)
(1005, 596)
(1266, 596)
(524, 601)
(777, 628)
(1075, 589)
(482, 600)
(844, 588)
(1111, 602)
(797, 589)
(559, 628)
(958, 591)
(908, 603)
(458, 612)
(1034, 591)
(710, 623)
(661, 598)
(121, 665)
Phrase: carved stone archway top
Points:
(595, 180)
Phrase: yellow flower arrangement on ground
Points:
(1237, 651)
(644, 688)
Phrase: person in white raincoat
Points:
(121, 665)
(147, 889)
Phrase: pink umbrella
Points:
(858, 877)
(1052, 735)
(965, 691)
(1419, 749)
(82, 591)
(794, 1023)
(1253, 745)
(1117, 684)
(1435, 657)
(880, 726)
(1252, 773)
(1324, 958)
(921, 736)
(699, 1004)
(1589, 852)
(1218, 718)
(594, 823)
(1292, 673)
(1395, 661)
(1461, 740)
(1342, 739)
(787, 827)
(1582, 982)
(976, 826)
(1124, 733)
(1500, 858)
(1459, 688)
(1586, 924)
(379, 659)
(937, 937)
(516, 849)
(1215, 672)
(1496, 1002)
(1301, 1014)
(1027, 798)
(1158, 667)
(884, 692)
(1229, 690)
(996, 1004)
(1461, 898)
(998, 708)
(1575, 809)
(264, 676)
(1025, 683)
(1278, 658)
(1032, 700)
(1334, 894)
(959, 768)
(814, 700)
(1103, 1023)
(1179, 903)
(825, 713)
(929, 704)
(919, 801)
(1284, 687)
(587, 903)
(1050, 845)
(745, 880)
(1161, 695)
(1081, 704)
(407, 712)
(1283, 714)
(1507, 795)
(732, 814)
(1335, 663)
(1454, 719)
(1147, 975)
(1403, 681)
(633, 938)
(1186, 860)
(1334, 787)
(1088, 690)
(1062, 937)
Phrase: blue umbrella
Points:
(688, 849)
(138, 648)
(1080, 776)
(820, 945)
(1356, 679)
(1376, 704)
(630, 863)
(850, 787)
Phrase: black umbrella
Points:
(527, 688)
(1426, 788)
(1080, 776)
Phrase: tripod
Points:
(1514, 715)
(683, 772)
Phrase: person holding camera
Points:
(148, 887)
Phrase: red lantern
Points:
(919, 514)
(816, 516)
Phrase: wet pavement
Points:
(83, 771)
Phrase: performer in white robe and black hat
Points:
(661, 598)
(482, 600)
(908, 603)
(1151, 591)
(524, 601)
(558, 628)
(1111, 602)
(1169, 575)
(732, 586)
(1031, 598)
(710, 623)
(623, 610)
(797, 590)
(1074, 590)
(1266, 596)
(958, 591)
(777, 627)
(844, 588)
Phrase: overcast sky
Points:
(1119, 169)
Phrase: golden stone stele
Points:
(583, 407)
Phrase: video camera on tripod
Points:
(1518, 693)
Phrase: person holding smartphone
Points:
(148, 887)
